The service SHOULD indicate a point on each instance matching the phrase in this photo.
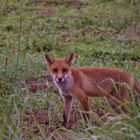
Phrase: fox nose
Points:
(60, 79)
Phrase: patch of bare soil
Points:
(76, 16)
(37, 121)
(99, 31)
(36, 115)
(87, 30)
(131, 33)
(79, 3)
(34, 84)
(46, 12)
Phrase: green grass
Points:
(92, 30)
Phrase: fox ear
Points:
(70, 58)
(49, 59)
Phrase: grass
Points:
(92, 29)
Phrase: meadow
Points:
(102, 33)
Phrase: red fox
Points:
(114, 84)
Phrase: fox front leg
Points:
(67, 109)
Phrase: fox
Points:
(84, 82)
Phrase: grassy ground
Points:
(103, 33)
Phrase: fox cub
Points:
(83, 82)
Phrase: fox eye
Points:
(55, 70)
(64, 70)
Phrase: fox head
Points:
(60, 68)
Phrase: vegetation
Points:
(103, 33)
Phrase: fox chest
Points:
(63, 91)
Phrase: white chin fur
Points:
(53, 77)
(66, 76)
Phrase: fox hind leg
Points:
(125, 97)
(114, 103)
(119, 100)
